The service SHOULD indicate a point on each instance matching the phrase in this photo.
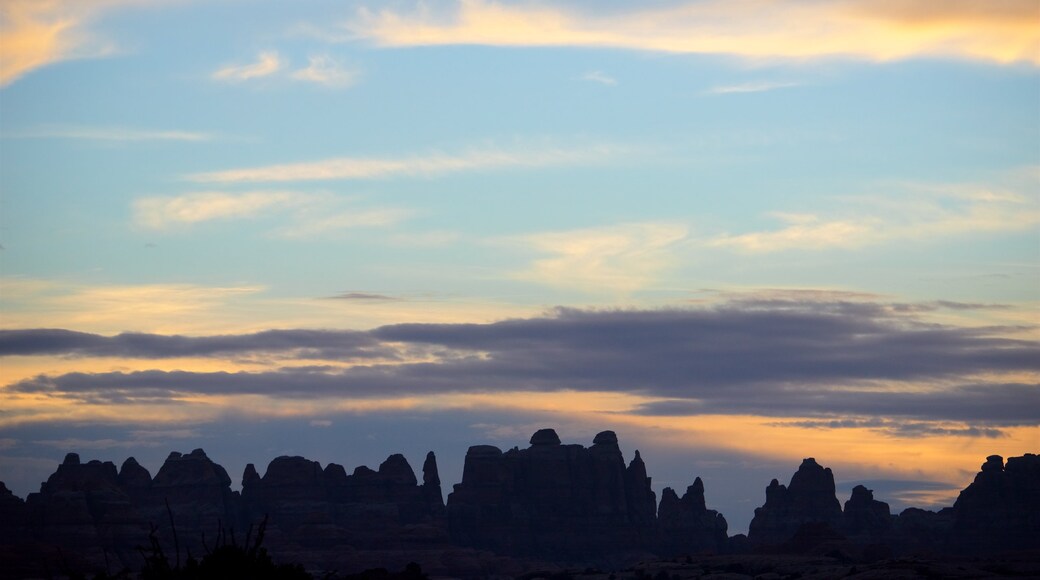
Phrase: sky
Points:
(738, 233)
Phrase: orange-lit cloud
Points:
(306, 214)
(923, 212)
(189, 208)
(324, 70)
(198, 309)
(118, 308)
(267, 63)
(616, 260)
(1002, 32)
(36, 33)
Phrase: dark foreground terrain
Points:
(548, 511)
(778, 567)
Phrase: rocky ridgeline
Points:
(549, 502)
(998, 512)
(572, 503)
(95, 517)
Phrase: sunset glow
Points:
(737, 233)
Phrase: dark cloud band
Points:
(775, 358)
(312, 344)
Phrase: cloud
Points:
(116, 308)
(311, 222)
(808, 231)
(753, 29)
(427, 166)
(364, 297)
(303, 344)
(307, 214)
(752, 87)
(76, 443)
(37, 33)
(268, 63)
(621, 259)
(921, 212)
(323, 70)
(107, 134)
(190, 208)
(898, 428)
(794, 360)
(599, 77)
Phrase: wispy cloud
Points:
(364, 297)
(429, 165)
(619, 259)
(37, 33)
(107, 134)
(900, 428)
(1002, 32)
(596, 76)
(189, 208)
(431, 239)
(324, 70)
(307, 214)
(751, 87)
(317, 220)
(921, 212)
(268, 63)
(158, 307)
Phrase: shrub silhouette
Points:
(226, 560)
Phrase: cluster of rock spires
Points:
(569, 502)
(998, 512)
(549, 502)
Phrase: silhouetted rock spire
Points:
(545, 437)
(431, 486)
(553, 500)
(865, 518)
(687, 526)
(133, 476)
(13, 517)
(1000, 510)
(810, 498)
(642, 501)
(397, 470)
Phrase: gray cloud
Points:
(303, 344)
(900, 428)
(994, 404)
(769, 357)
(364, 297)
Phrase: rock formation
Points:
(1000, 510)
(82, 506)
(810, 499)
(687, 526)
(431, 486)
(196, 491)
(312, 507)
(865, 519)
(918, 531)
(553, 501)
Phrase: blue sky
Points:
(224, 168)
